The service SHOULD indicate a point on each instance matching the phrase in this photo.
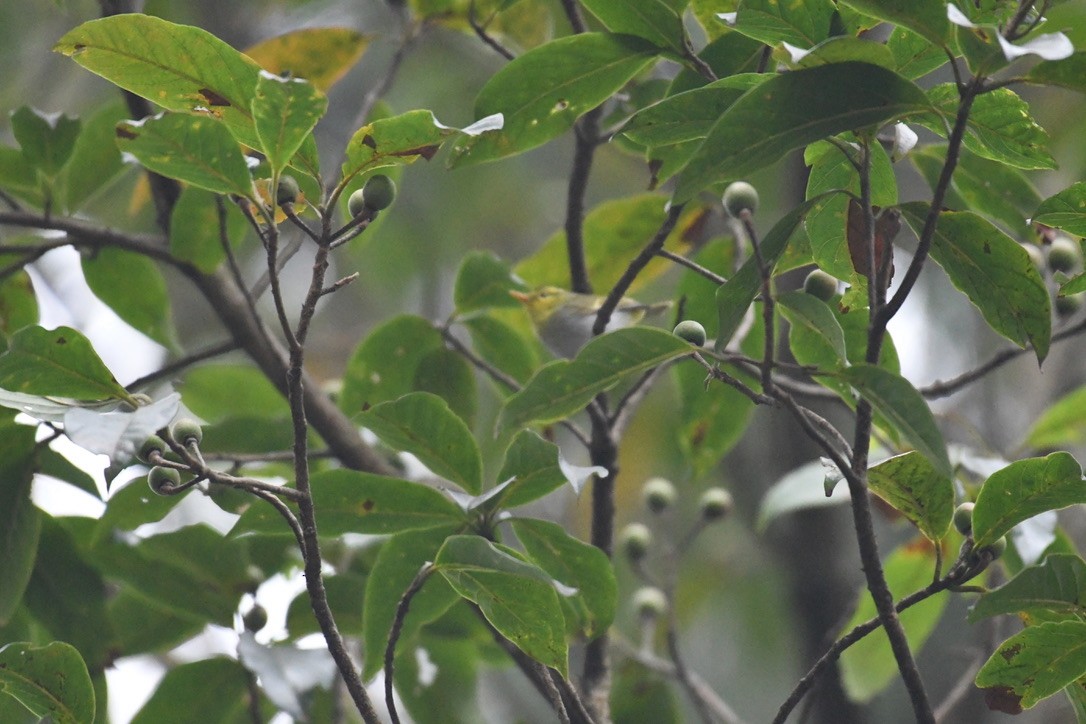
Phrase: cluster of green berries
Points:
(163, 479)
(376, 195)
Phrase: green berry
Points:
(715, 503)
(288, 190)
(161, 479)
(820, 285)
(659, 494)
(635, 539)
(739, 197)
(1068, 305)
(995, 550)
(153, 444)
(356, 205)
(379, 192)
(963, 518)
(650, 602)
(187, 431)
(1064, 255)
(256, 618)
(691, 331)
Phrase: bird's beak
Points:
(519, 296)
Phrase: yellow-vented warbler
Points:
(564, 319)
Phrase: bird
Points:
(564, 319)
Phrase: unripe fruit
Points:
(963, 518)
(187, 431)
(1064, 255)
(659, 494)
(151, 445)
(379, 192)
(1068, 305)
(160, 479)
(739, 197)
(650, 602)
(356, 205)
(715, 503)
(635, 540)
(288, 190)
(820, 285)
(691, 331)
(995, 550)
(256, 618)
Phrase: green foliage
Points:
(405, 481)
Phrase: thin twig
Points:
(484, 36)
(618, 291)
(683, 261)
(586, 137)
(394, 635)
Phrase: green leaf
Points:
(532, 465)
(179, 67)
(450, 696)
(383, 366)
(95, 159)
(394, 141)
(805, 310)
(925, 17)
(868, 666)
(68, 597)
(916, 489)
(1034, 664)
(689, 115)
(19, 176)
(804, 24)
(843, 49)
(995, 190)
(320, 55)
(502, 346)
(423, 425)
(348, 501)
(47, 141)
(484, 281)
(1022, 490)
(1063, 423)
(196, 150)
(182, 696)
(517, 598)
(132, 286)
(197, 572)
(914, 55)
(345, 591)
(542, 92)
(51, 681)
(563, 387)
(994, 271)
(445, 373)
(614, 233)
(1066, 210)
(827, 222)
(18, 304)
(57, 363)
(904, 408)
(794, 109)
(195, 236)
(576, 565)
(20, 519)
(735, 296)
(285, 110)
(1067, 73)
(144, 626)
(1057, 585)
(1000, 127)
(399, 561)
(656, 21)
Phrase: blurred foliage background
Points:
(755, 607)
